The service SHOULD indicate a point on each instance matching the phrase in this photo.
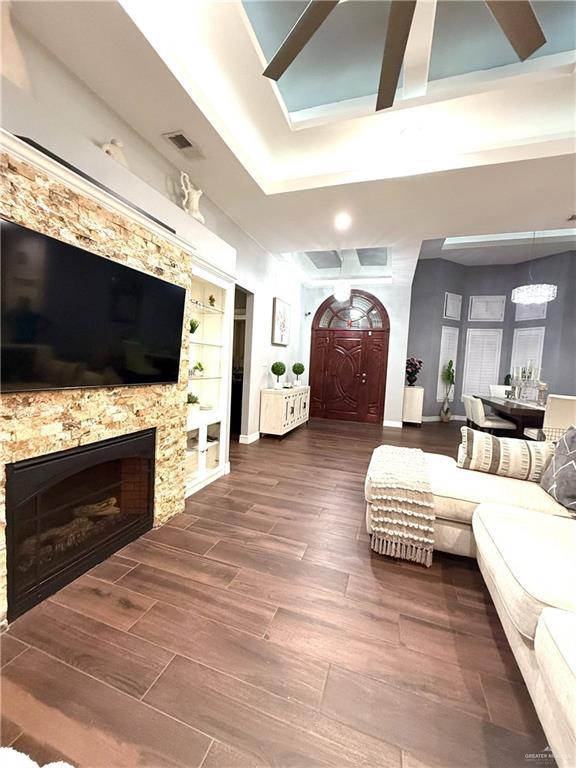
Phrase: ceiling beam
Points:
(419, 50)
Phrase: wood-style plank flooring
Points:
(257, 629)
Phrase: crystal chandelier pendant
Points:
(537, 293)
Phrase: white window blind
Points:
(482, 360)
(448, 351)
(528, 344)
(531, 311)
(487, 309)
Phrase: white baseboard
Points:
(227, 468)
(395, 424)
(455, 417)
(247, 439)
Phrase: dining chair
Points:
(468, 410)
(498, 390)
(560, 413)
(488, 423)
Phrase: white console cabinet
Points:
(283, 409)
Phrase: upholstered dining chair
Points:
(560, 413)
(498, 390)
(488, 423)
(466, 399)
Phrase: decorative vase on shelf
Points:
(411, 380)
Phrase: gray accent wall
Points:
(433, 277)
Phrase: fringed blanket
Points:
(401, 504)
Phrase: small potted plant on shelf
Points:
(198, 369)
(298, 369)
(194, 325)
(448, 381)
(278, 369)
(212, 300)
(193, 402)
(413, 368)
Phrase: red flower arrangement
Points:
(413, 368)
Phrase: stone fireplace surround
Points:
(38, 423)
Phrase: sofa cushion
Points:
(457, 492)
(559, 479)
(530, 558)
(555, 646)
(506, 456)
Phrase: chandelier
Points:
(535, 293)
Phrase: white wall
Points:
(396, 300)
(45, 101)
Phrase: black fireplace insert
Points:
(68, 511)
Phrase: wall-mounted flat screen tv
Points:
(71, 318)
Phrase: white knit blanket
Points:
(401, 504)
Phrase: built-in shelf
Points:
(204, 309)
(206, 344)
(204, 378)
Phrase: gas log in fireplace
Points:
(67, 511)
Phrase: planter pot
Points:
(194, 408)
(445, 412)
(198, 374)
(278, 385)
(411, 380)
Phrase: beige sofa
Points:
(525, 544)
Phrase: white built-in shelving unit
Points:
(212, 299)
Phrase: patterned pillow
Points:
(559, 479)
(507, 456)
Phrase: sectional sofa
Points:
(525, 544)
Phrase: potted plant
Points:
(193, 402)
(298, 369)
(198, 369)
(278, 369)
(448, 380)
(413, 368)
(212, 300)
(194, 325)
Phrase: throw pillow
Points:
(506, 456)
(559, 479)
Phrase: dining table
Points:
(525, 414)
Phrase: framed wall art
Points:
(280, 322)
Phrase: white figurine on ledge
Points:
(192, 195)
(114, 148)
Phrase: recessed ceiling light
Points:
(342, 221)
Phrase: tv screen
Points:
(74, 319)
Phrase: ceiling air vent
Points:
(183, 144)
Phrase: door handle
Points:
(363, 381)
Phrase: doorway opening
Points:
(348, 359)
(241, 345)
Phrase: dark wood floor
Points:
(257, 629)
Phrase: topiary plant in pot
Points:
(298, 369)
(278, 369)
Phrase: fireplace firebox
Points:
(68, 511)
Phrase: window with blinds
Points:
(482, 360)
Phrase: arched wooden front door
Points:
(348, 359)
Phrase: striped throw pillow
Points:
(506, 456)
